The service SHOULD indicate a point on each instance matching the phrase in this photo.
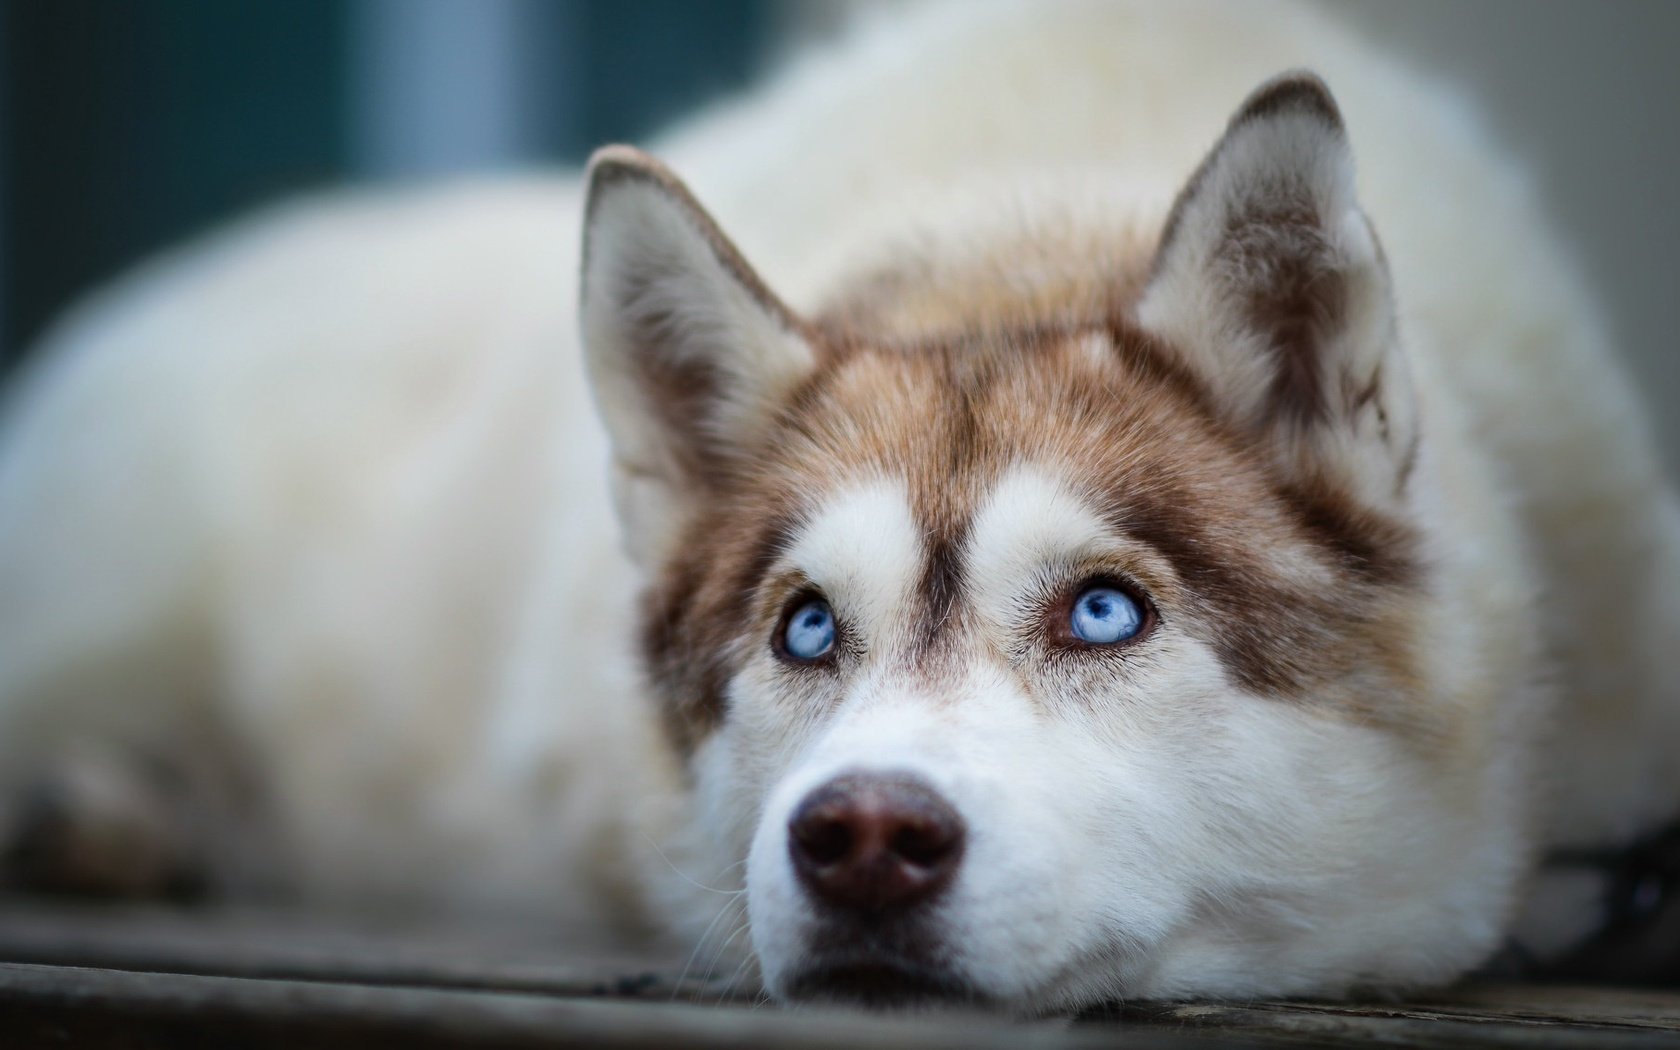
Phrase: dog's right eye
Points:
(808, 633)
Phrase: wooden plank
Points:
(314, 945)
(49, 1006)
(1627, 1006)
(151, 976)
(58, 1006)
(1417, 1025)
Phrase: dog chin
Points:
(881, 984)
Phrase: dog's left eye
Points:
(808, 635)
(1104, 615)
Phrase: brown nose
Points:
(874, 843)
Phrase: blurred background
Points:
(126, 125)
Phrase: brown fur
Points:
(1135, 430)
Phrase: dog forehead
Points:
(867, 537)
(950, 415)
(1102, 413)
(1037, 437)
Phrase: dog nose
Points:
(875, 843)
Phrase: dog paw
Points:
(91, 824)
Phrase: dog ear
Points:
(1270, 280)
(688, 352)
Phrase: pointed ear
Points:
(1270, 281)
(688, 352)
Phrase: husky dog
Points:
(1049, 570)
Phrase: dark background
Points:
(129, 124)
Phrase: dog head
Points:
(1076, 655)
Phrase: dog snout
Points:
(872, 843)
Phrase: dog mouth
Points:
(882, 985)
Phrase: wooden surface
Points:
(142, 978)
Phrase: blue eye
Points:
(1105, 615)
(809, 634)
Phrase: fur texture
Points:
(316, 517)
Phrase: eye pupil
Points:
(809, 634)
(1105, 615)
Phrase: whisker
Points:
(700, 943)
(724, 947)
(728, 989)
(684, 875)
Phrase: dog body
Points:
(319, 512)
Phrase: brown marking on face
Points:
(1136, 433)
(692, 614)
(940, 589)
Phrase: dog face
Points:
(1063, 659)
